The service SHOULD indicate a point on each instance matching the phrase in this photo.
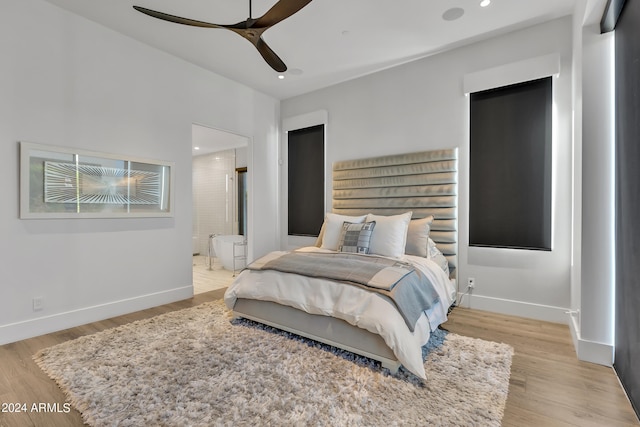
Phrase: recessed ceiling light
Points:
(453, 14)
(281, 76)
(196, 148)
(485, 3)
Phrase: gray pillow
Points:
(355, 238)
(418, 236)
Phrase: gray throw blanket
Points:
(407, 287)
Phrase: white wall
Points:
(69, 82)
(263, 181)
(421, 106)
(576, 231)
(594, 329)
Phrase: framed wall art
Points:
(58, 182)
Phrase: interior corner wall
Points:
(263, 178)
(576, 196)
(596, 298)
(69, 82)
(420, 106)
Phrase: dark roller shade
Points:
(306, 181)
(510, 166)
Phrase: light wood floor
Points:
(207, 278)
(549, 386)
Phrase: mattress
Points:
(355, 306)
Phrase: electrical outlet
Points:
(38, 303)
(471, 282)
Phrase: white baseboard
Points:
(591, 351)
(516, 308)
(44, 325)
(588, 351)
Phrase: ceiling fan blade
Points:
(279, 12)
(250, 29)
(176, 19)
(270, 56)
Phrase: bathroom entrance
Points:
(219, 166)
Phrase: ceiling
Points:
(206, 140)
(327, 42)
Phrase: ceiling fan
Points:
(251, 29)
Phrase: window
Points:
(510, 166)
(306, 181)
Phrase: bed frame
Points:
(425, 183)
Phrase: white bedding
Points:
(356, 306)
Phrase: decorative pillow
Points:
(355, 238)
(320, 237)
(418, 236)
(332, 227)
(390, 237)
(436, 256)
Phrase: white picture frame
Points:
(61, 182)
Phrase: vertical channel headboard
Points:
(425, 183)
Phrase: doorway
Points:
(219, 168)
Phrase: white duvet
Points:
(353, 304)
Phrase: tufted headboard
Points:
(425, 183)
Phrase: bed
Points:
(409, 202)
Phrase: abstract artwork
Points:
(68, 183)
(59, 182)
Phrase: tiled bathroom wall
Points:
(214, 197)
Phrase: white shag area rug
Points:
(197, 367)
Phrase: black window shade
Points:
(510, 166)
(306, 181)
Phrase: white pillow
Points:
(390, 235)
(333, 226)
(418, 236)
